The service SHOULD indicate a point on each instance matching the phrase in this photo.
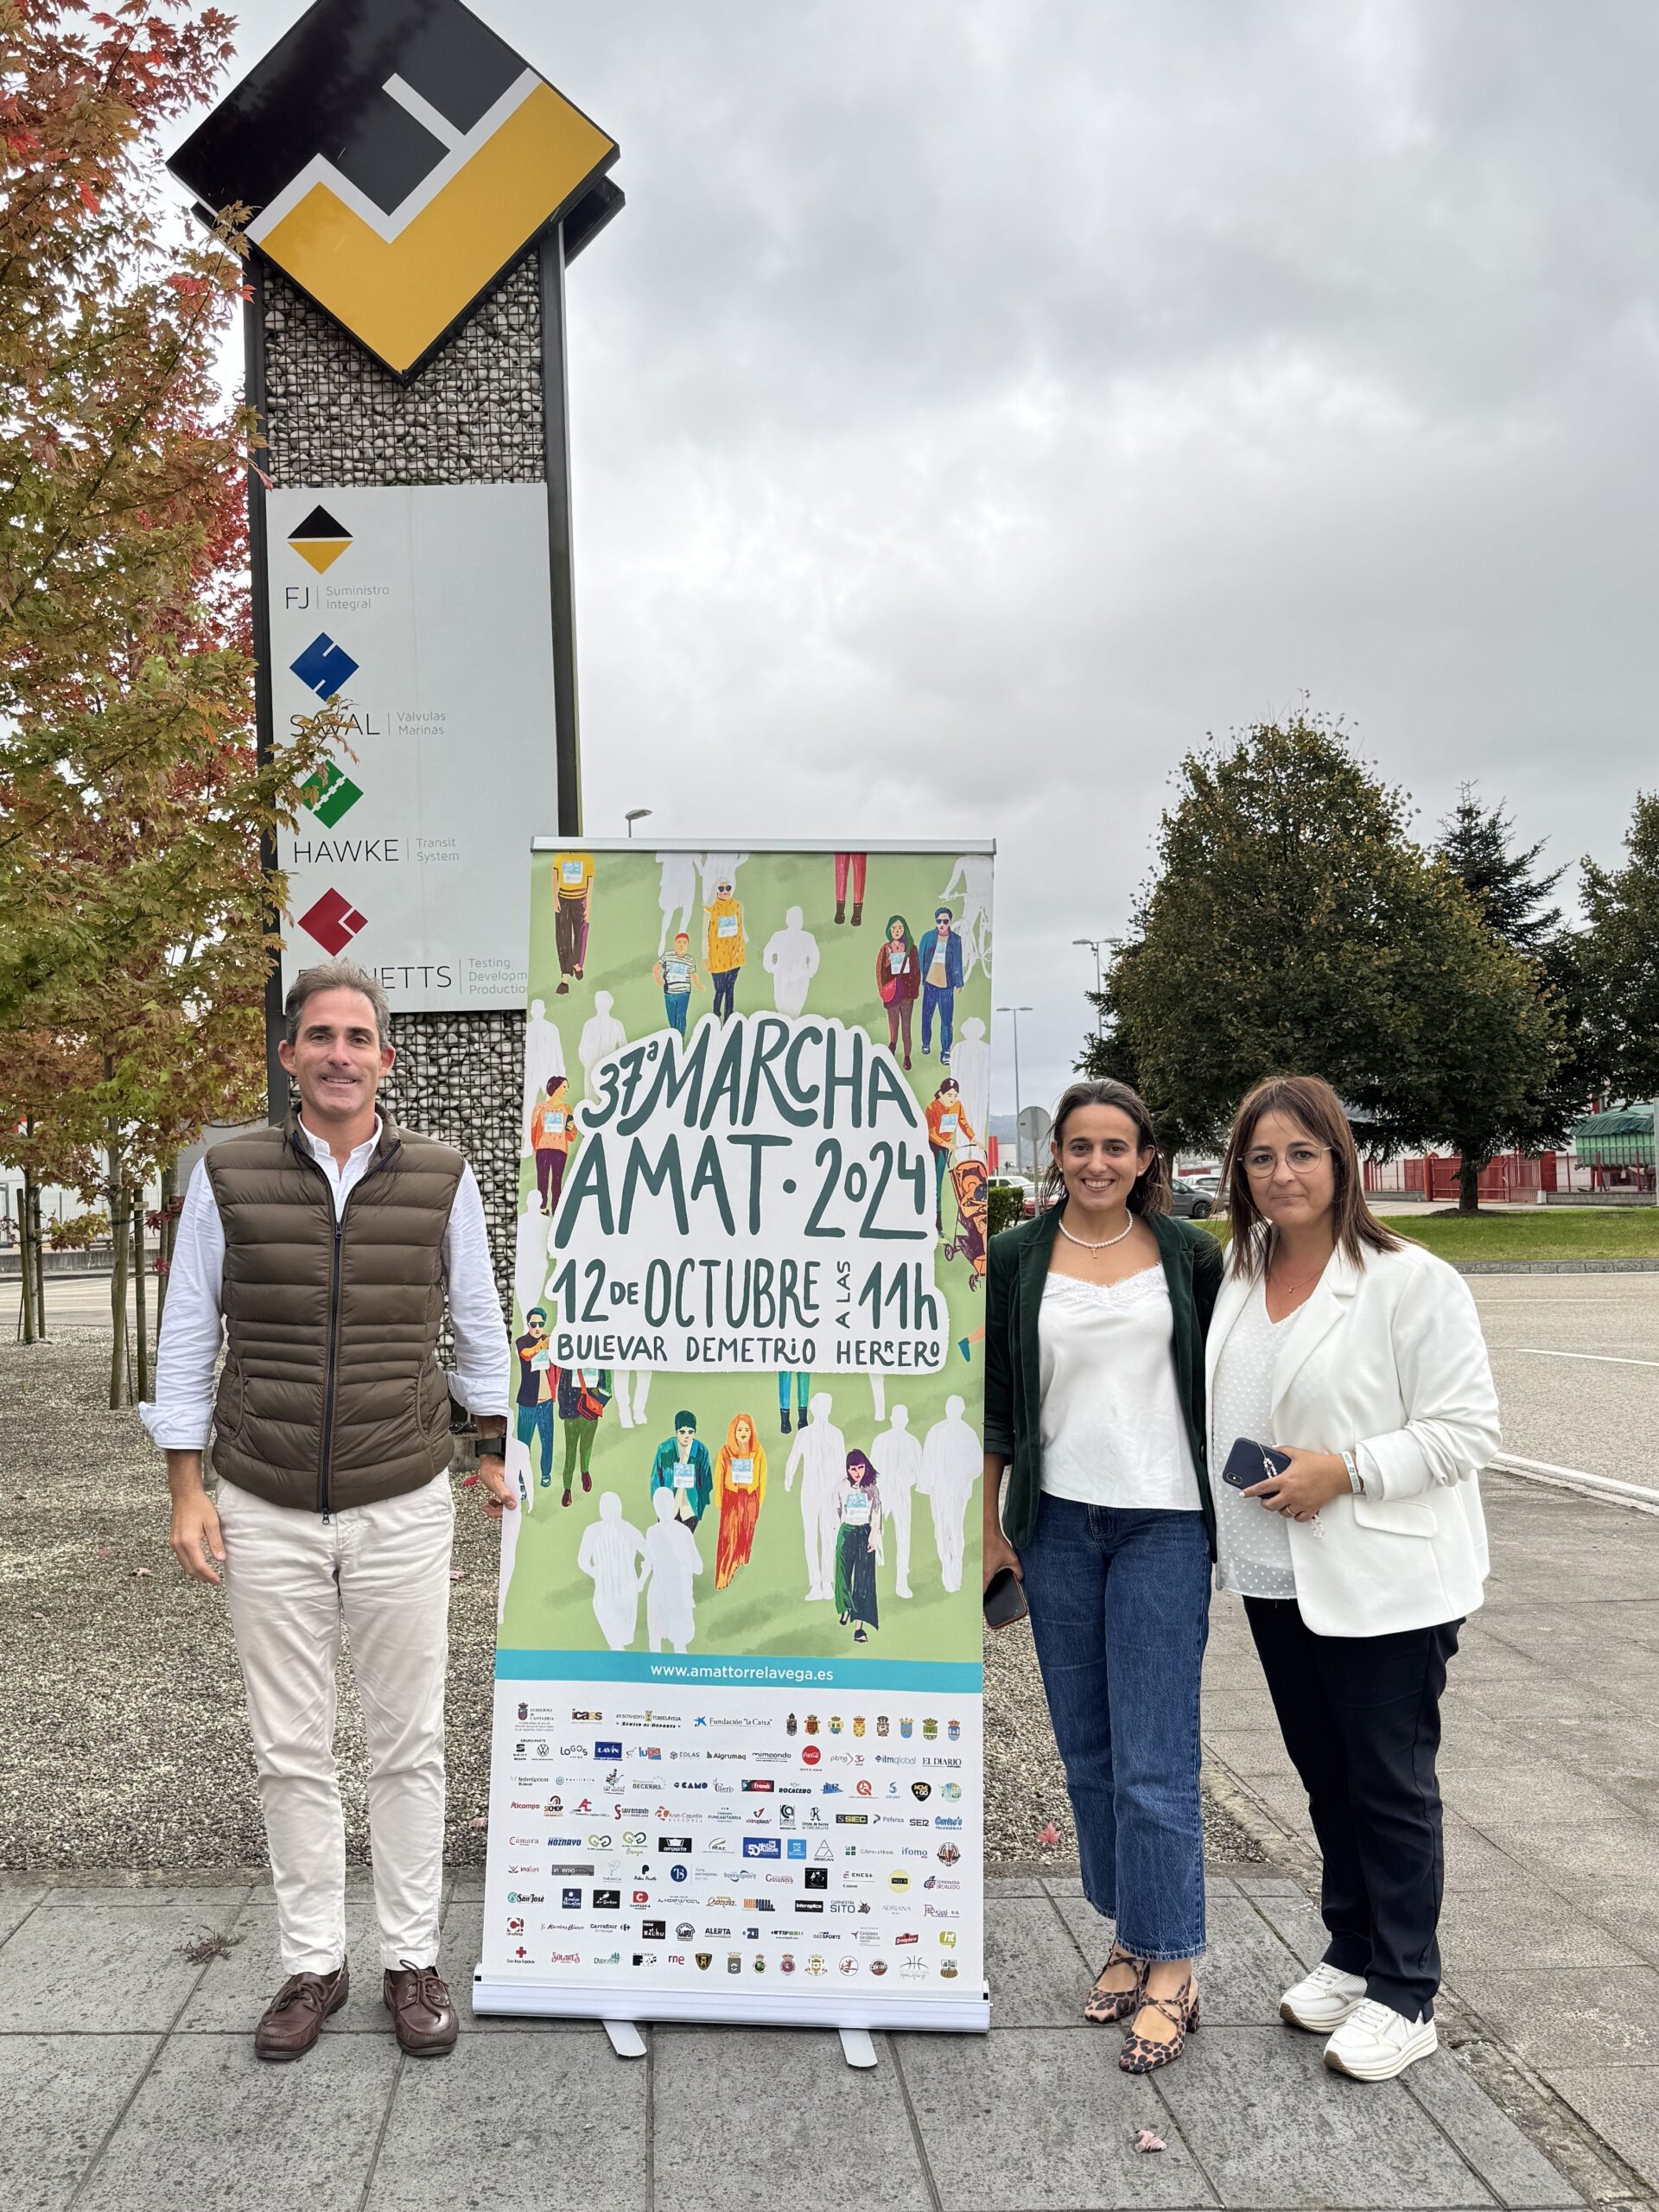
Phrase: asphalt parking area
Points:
(1577, 1363)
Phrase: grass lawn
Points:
(1548, 1233)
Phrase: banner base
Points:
(831, 2009)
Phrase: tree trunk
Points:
(30, 1311)
(38, 1242)
(141, 1377)
(117, 1189)
(166, 1236)
(1468, 1185)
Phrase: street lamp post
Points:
(634, 814)
(1094, 944)
(1016, 1011)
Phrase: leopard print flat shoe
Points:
(1140, 2055)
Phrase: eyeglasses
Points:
(1300, 1159)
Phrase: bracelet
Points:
(492, 1447)
(1354, 1482)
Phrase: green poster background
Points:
(549, 1602)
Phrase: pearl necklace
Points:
(1082, 1243)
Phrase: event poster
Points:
(736, 1771)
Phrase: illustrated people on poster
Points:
(677, 972)
(952, 1462)
(973, 879)
(511, 1524)
(899, 980)
(791, 960)
(941, 958)
(948, 1131)
(610, 1553)
(672, 1561)
(553, 1131)
(718, 868)
(739, 1492)
(534, 1406)
(677, 894)
(529, 1256)
(897, 1456)
(725, 948)
(803, 1390)
(820, 1452)
(573, 888)
(601, 1034)
(544, 1057)
(582, 1394)
(681, 1469)
(858, 1547)
(852, 864)
(970, 1064)
(633, 1394)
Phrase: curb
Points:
(1555, 1267)
(1542, 2114)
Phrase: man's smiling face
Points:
(337, 1059)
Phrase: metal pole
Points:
(1019, 1109)
(1094, 944)
(555, 437)
(253, 344)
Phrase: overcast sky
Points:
(974, 405)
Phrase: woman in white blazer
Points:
(1361, 1358)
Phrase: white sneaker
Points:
(1375, 2043)
(1324, 2000)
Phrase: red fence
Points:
(1512, 1176)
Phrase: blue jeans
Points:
(940, 998)
(535, 1423)
(1120, 1611)
(674, 1006)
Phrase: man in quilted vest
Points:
(319, 1256)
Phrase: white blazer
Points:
(1388, 1361)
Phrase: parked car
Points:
(1027, 1189)
(1187, 1199)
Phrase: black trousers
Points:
(1361, 1720)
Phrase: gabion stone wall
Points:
(459, 1078)
(473, 416)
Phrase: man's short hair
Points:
(537, 1313)
(942, 914)
(686, 1421)
(334, 976)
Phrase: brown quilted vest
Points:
(331, 1396)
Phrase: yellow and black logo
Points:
(397, 155)
(319, 539)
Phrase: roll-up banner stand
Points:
(737, 1765)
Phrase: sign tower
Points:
(416, 193)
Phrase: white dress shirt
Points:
(179, 1415)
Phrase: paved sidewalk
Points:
(128, 2082)
(1550, 1770)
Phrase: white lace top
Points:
(1112, 1430)
(1252, 1545)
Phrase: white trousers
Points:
(292, 1582)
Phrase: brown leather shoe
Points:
(421, 2011)
(293, 2020)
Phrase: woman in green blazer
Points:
(1094, 1410)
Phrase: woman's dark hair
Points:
(1150, 1191)
(859, 1464)
(1309, 1102)
(887, 935)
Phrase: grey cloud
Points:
(974, 405)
